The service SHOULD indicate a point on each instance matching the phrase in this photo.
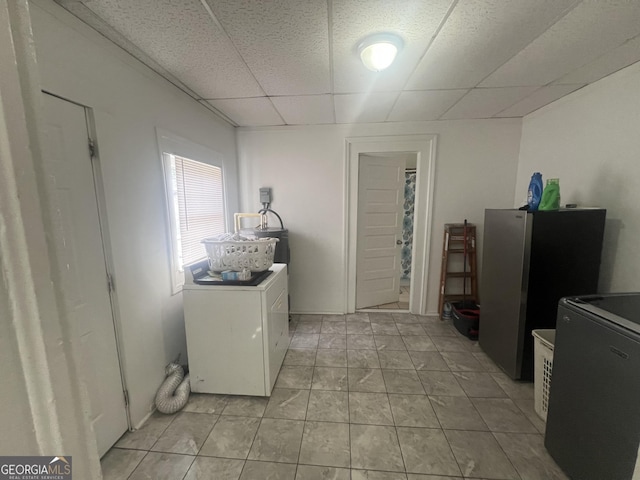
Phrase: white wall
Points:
(476, 163)
(129, 101)
(17, 418)
(590, 140)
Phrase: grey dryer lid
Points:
(620, 308)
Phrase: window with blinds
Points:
(198, 202)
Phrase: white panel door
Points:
(82, 263)
(380, 215)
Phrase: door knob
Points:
(398, 242)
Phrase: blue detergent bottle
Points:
(535, 191)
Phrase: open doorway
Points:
(408, 218)
(422, 148)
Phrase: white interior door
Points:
(379, 244)
(82, 263)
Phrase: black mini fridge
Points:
(530, 261)
(593, 421)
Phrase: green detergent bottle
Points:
(551, 195)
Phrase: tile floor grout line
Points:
(130, 448)
(190, 465)
(506, 456)
(395, 426)
(138, 465)
(246, 459)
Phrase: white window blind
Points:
(199, 202)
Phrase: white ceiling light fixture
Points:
(378, 51)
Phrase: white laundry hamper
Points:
(237, 253)
(543, 364)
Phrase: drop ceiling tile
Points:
(541, 97)
(201, 46)
(623, 56)
(481, 35)
(427, 105)
(305, 110)
(249, 112)
(588, 31)
(415, 21)
(364, 107)
(86, 15)
(280, 40)
(486, 102)
(182, 38)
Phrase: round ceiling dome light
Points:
(378, 52)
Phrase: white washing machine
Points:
(237, 333)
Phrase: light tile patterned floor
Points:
(401, 304)
(368, 396)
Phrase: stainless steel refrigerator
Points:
(530, 261)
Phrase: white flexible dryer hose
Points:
(174, 391)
